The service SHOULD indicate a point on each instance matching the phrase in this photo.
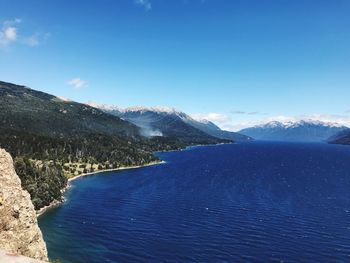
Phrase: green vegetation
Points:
(52, 139)
(44, 183)
(45, 163)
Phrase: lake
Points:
(246, 202)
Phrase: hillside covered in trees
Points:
(52, 139)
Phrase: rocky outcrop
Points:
(19, 231)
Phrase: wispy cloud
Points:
(145, 3)
(222, 120)
(227, 121)
(77, 83)
(214, 117)
(35, 39)
(239, 112)
(9, 34)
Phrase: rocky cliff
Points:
(19, 231)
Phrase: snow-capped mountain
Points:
(212, 129)
(304, 130)
(158, 121)
(104, 107)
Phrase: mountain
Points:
(163, 121)
(52, 139)
(308, 131)
(25, 109)
(213, 130)
(343, 137)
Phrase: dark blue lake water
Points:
(251, 202)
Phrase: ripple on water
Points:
(252, 202)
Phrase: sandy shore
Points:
(56, 203)
(116, 169)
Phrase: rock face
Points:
(19, 231)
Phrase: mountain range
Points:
(163, 121)
(52, 139)
(305, 130)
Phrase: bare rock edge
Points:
(19, 230)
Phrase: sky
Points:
(234, 62)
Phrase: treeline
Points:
(41, 162)
(52, 139)
(88, 148)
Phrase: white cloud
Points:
(222, 120)
(145, 3)
(8, 32)
(214, 117)
(9, 35)
(32, 41)
(248, 112)
(77, 83)
(35, 39)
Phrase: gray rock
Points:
(19, 231)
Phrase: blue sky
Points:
(236, 62)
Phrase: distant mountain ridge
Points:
(169, 122)
(212, 129)
(342, 137)
(304, 130)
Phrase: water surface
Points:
(250, 202)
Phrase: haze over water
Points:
(251, 202)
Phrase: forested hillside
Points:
(52, 139)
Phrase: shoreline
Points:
(115, 169)
(56, 203)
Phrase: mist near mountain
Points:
(163, 121)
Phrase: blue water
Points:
(251, 202)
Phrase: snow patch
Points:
(295, 124)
